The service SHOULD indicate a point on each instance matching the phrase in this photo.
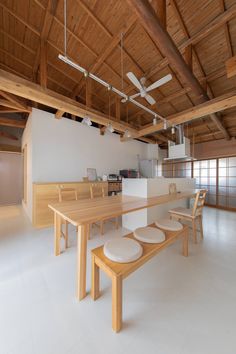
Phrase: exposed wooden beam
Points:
(43, 63)
(160, 8)
(188, 56)
(215, 105)
(14, 100)
(226, 29)
(8, 122)
(59, 114)
(204, 32)
(24, 88)
(151, 23)
(41, 54)
(8, 135)
(15, 106)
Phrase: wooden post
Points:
(88, 92)
(43, 63)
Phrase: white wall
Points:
(11, 178)
(27, 140)
(63, 149)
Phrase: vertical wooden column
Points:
(43, 63)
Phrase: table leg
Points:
(57, 234)
(116, 303)
(82, 234)
(185, 243)
(95, 293)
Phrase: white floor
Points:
(173, 305)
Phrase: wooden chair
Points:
(97, 190)
(192, 214)
(64, 192)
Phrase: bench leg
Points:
(95, 293)
(116, 303)
(185, 243)
(66, 234)
(57, 234)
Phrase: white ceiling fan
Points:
(143, 90)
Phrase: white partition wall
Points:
(149, 188)
(61, 150)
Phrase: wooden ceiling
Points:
(203, 30)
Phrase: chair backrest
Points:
(199, 202)
(64, 191)
(96, 190)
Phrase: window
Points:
(218, 176)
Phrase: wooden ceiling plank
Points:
(231, 67)
(204, 32)
(29, 90)
(15, 106)
(151, 23)
(30, 50)
(8, 122)
(14, 100)
(8, 135)
(20, 19)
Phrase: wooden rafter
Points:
(226, 29)
(8, 135)
(151, 23)
(215, 105)
(15, 100)
(15, 106)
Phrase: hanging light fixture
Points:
(86, 121)
(172, 130)
(109, 128)
(165, 124)
(154, 122)
(127, 134)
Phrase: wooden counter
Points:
(47, 193)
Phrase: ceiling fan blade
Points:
(136, 95)
(150, 99)
(134, 80)
(160, 82)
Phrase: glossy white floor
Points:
(173, 305)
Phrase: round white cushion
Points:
(122, 250)
(169, 225)
(149, 235)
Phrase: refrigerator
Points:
(148, 168)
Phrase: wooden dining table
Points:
(84, 212)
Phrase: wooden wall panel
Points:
(45, 193)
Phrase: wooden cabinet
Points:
(114, 187)
(47, 193)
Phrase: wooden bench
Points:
(118, 271)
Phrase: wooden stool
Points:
(96, 191)
(63, 194)
(119, 271)
(192, 214)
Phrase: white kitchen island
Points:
(151, 187)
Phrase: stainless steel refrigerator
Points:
(148, 168)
